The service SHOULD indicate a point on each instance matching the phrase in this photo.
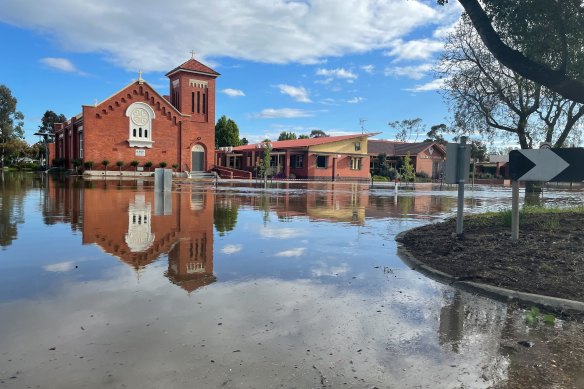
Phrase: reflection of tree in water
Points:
(225, 214)
(12, 194)
(406, 203)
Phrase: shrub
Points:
(148, 165)
(88, 164)
(379, 178)
(162, 164)
(392, 174)
(135, 164)
(175, 166)
(422, 175)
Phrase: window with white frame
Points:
(356, 163)
(358, 146)
(140, 120)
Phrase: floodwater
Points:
(109, 284)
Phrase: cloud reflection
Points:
(60, 267)
(297, 252)
(231, 249)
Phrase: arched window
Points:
(140, 117)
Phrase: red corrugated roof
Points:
(300, 143)
(194, 66)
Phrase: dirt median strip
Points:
(553, 304)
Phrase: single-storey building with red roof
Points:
(426, 157)
(138, 127)
(325, 158)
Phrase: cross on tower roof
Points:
(192, 54)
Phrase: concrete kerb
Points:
(547, 303)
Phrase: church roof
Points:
(192, 65)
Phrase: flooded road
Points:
(108, 284)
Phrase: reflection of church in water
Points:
(140, 226)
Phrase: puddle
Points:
(108, 284)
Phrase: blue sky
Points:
(285, 65)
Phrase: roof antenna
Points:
(362, 124)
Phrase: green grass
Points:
(504, 217)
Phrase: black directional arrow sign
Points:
(550, 165)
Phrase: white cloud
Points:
(297, 93)
(273, 113)
(59, 267)
(62, 64)
(233, 92)
(368, 68)
(422, 49)
(281, 233)
(429, 86)
(231, 249)
(297, 252)
(278, 31)
(355, 100)
(415, 72)
(337, 73)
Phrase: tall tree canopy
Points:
(49, 119)
(318, 134)
(407, 129)
(540, 40)
(488, 98)
(285, 135)
(226, 133)
(11, 121)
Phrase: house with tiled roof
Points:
(426, 157)
(324, 158)
(138, 124)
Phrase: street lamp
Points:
(45, 137)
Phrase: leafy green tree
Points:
(383, 164)
(407, 129)
(226, 133)
(11, 121)
(49, 119)
(135, 164)
(488, 98)
(478, 150)
(540, 40)
(119, 164)
(407, 171)
(148, 165)
(303, 136)
(88, 164)
(435, 134)
(162, 164)
(15, 150)
(265, 164)
(244, 141)
(318, 134)
(284, 135)
(105, 164)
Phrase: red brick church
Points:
(138, 124)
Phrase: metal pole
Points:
(515, 211)
(461, 169)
